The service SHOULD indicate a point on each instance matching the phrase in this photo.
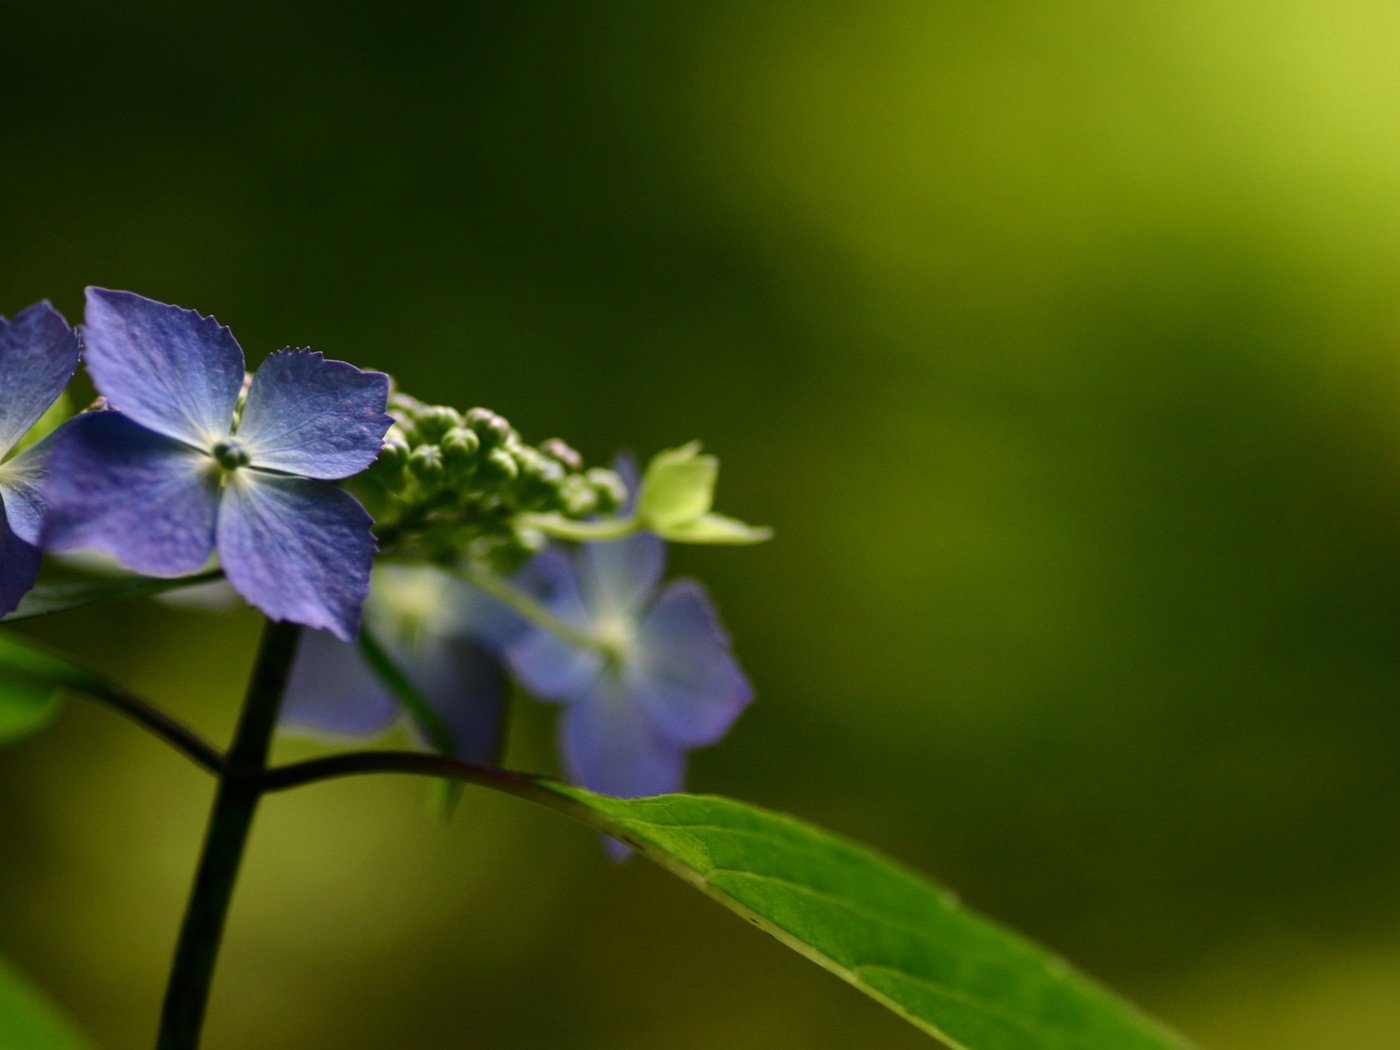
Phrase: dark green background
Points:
(1057, 341)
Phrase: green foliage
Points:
(29, 681)
(28, 1021)
(61, 596)
(899, 939)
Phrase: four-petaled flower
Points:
(38, 355)
(440, 633)
(656, 678)
(172, 474)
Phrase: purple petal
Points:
(548, 667)
(321, 419)
(333, 691)
(682, 674)
(38, 355)
(19, 567)
(167, 368)
(609, 748)
(465, 686)
(620, 575)
(147, 500)
(298, 550)
(21, 479)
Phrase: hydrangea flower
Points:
(171, 475)
(38, 355)
(658, 680)
(439, 632)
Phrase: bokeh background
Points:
(1059, 342)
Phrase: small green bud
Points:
(492, 429)
(425, 463)
(434, 421)
(609, 489)
(460, 447)
(579, 498)
(393, 454)
(498, 466)
(562, 453)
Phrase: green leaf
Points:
(29, 681)
(56, 597)
(678, 487)
(28, 1021)
(900, 939)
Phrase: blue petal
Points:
(682, 672)
(609, 748)
(167, 368)
(298, 550)
(333, 691)
(20, 482)
(38, 355)
(147, 500)
(321, 419)
(549, 668)
(19, 567)
(620, 575)
(465, 686)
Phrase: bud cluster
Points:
(451, 483)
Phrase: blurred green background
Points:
(1057, 341)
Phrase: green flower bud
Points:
(393, 455)
(498, 466)
(608, 488)
(492, 429)
(562, 453)
(460, 448)
(578, 497)
(425, 463)
(434, 421)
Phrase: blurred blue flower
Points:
(171, 475)
(441, 633)
(38, 355)
(657, 680)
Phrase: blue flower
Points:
(657, 679)
(38, 355)
(440, 633)
(172, 475)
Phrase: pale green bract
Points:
(28, 1021)
(677, 492)
(896, 937)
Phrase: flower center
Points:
(614, 637)
(230, 454)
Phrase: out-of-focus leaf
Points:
(60, 596)
(28, 1021)
(900, 939)
(29, 681)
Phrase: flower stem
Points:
(531, 609)
(240, 788)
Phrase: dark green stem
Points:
(240, 787)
